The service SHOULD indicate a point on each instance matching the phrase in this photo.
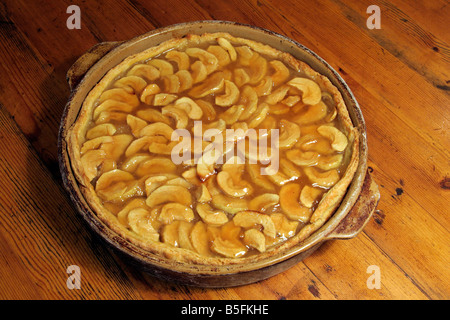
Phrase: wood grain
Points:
(399, 74)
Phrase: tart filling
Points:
(213, 149)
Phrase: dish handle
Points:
(87, 60)
(360, 213)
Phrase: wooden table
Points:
(399, 74)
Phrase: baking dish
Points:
(348, 220)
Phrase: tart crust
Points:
(325, 209)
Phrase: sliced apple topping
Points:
(289, 201)
(311, 93)
(180, 58)
(251, 219)
(265, 144)
(338, 139)
(210, 215)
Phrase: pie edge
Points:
(327, 206)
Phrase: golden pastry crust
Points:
(326, 207)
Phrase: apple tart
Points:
(213, 149)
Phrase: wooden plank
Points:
(30, 92)
(99, 22)
(412, 200)
(161, 15)
(34, 68)
(16, 282)
(413, 239)
(407, 161)
(294, 282)
(291, 284)
(42, 234)
(419, 49)
(343, 266)
(298, 281)
(432, 15)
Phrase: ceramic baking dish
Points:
(348, 220)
